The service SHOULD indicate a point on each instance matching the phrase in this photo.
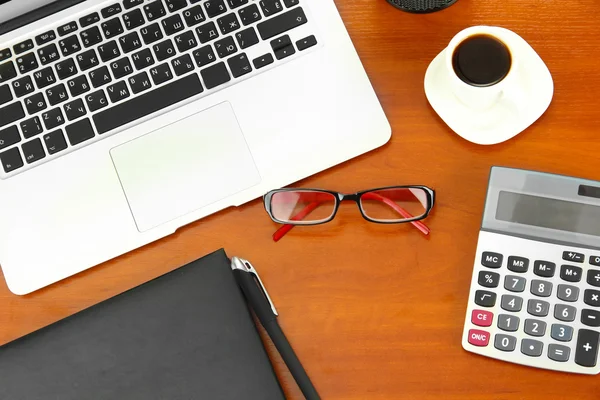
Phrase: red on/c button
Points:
(482, 318)
(479, 338)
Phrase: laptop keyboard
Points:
(71, 85)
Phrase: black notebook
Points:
(185, 335)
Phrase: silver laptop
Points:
(121, 121)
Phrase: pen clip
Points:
(246, 266)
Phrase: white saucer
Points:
(511, 115)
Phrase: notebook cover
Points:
(185, 335)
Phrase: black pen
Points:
(263, 307)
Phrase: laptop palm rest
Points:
(184, 166)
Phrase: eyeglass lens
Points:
(394, 204)
(303, 206)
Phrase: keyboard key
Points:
(154, 10)
(33, 151)
(590, 317)
(586, 352)
(207, 32)
(100, 76)
(514, 283)
(121, 68)
(48, 54)
(306, 43)
(23, 86)
(505, 342)
(172, 24)
(214, 7)
(118, 91)
(228, 23)
(247, 38)
(593, 277)
(55, 141)
(559, 353)
(509, 323)
(215, 75)
(291, 3)
(562, 333)
(74, 109)
(176, 5)
(573, 256)
(239, 65)
(112, 27)
(44, 77)
(151, 33)
(488, 279)
(518, 264)
(225, 47)
(53, 118)
(109, 11)
(491, 260)
(482, 318)
(565, 313)
(143, 59)
(182, 65)
(185, 41)
(87, 59)
(138, 107)
(204, 56)
(194, 16)
(478, 337)
(485, 299)
(532, 348)
(79, 132)
(511, 303)
(570, 273)
(567, 293)
(31, 127)
(281, 42)
(5, 54)
(161, 74)
(236, 3)
(139, 82)
(5, 94)
(109, 51)
(164, 50)
(9, 136)
(67, 28)
(271, 7)
(91, 36)
(541, 288)
(282, 23)
(127, 4)
(27, 63)
(263, 61)
(545, 269)
(96, 100)
(534, 327)
(130, 42)
(7, 71)
(595, 260)
(45, 38)
(133, 19)
(34, 104)
(11, 160)
(591, 297)
(57, 94)
(538, 308)
(69, 45)
(66, 68)
(285, 52)
(78, 85)
(23, 46)
(250, 14)
(11, 113)
(89, 19)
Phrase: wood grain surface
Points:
(377, 312)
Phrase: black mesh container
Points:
(421, 6)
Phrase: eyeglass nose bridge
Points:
(348, 197)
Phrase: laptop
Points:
(122, 121)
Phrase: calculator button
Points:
(573, 257)
(488, 279)
(591, 297)
(538, 308)
(590, 317)
(511, 303)
(595, 260)
(567, 292)
(505, 342)
(479, 338)
(559, 353)
(545, 269)
(482, 318)
(518, 264)
(563, 312)
(587, 348)
(532, 348)
(593, 277)
(485, 299)
(562, 333)
(509, 323)
(570, 273)
(491, 260)
(541, 288)
(514, 283)
(535, 327)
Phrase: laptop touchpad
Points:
(184, 166)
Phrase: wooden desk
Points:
(377, 312)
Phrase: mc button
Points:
(491, 260)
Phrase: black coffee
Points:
(481, 60)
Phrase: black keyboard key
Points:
(518, 264)
(130, 42)
(48, 54)
(87, 59)
(5, 54)
(595, 260)
(109, 11)
(176, 5)
(570, 273)
(34, 104)
(109, 51)
(74, 109)
(204, 56)
(7, 71)
(161, 74)
(66, 68)
(281, 23)
(182, 65)
(263, 61)
(306, 43)
(247, 38)
(593, 277)
(250, 14)
(228, 23)
(78, 85)
(31, 127)
(164, 50)
(91, 36)
(207, 32)
(133, 19)
(239, 65)
(491, 260)
(33, 151)
(117, 91)
(100, 76)
(131, 3)
(271, 7)
(121, 68)
(22, 86)
(285, 52)
(148, 103)
(151, 33)
(5, 94)
(154, 10)
(69, 45)
(185, 41)
(45, 38)
(215, 7)
(11, 160)
(590, 317)
(172, 24)
(291, 3)
(484, 298)
(225, 47)
(112, 28)
(96, 100)
(89, 19)
(27, 63)
(194, 16)
(57, 94)
(23, 46)
(9, 136)
(143, 59)
(573, 256)
(215, 75)
(586, 353)
(67, 28)
(139, 82)
(55, 141)
(79, 132)
(53, 118)
(544, 268)
(591, 297)
(237, 3)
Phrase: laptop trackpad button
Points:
(184, 166)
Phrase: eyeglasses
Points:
(388, 205)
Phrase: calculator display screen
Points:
(548, 213)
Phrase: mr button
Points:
(482, 318)
(518, 264)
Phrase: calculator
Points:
(535, 290)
